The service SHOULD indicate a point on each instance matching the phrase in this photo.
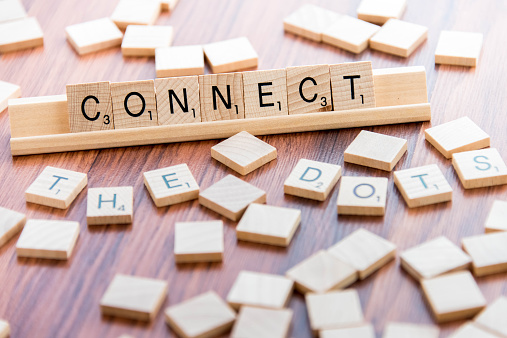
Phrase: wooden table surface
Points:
(45, 298)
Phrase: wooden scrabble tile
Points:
(168, 5)
(312, 179)
(480, 168)
(488, 252)
(255, 322)
(349, 33)
(8, 91)
(310, 21)
(400, 86)
(380, 11)
(90, 107)
(230, 55)
(457, 136)
(178, 100)
(136, 12)
(361, 331)
(260, 290)
(471, 330)
(458, 48)
(56, 187)
(453, 296)
(352, 85)
(375, 150)
(110, 205)
(268, 224)
(231, 196)
(179, 61)
(320, 273)
(399, 38)
(405, 330)
(243, 152)
(221, 97)
(308, 89)
(11, 222)
(20, 34)
(134, 104)
(423, 185)
(133, 297)
(434, 258)
(497, 217)
(11, 10)
(171, 185)
(493, 317)
(5, 329)
(364, 251)
(206, 315)
(93, 36)
(198, 241)
(362, 196)
(265, 93)
(142, 40)
(47, 239)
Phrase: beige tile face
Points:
(8, 91)
(143, 40)
(361, 331)
(93, 36)
(379, 11)
(497, 217)
(178, 100)
(458, 48)
(309, 21)
(134, 104)
(255, 322)
(349, 33)
(480, 168)
(362, 196)
(493, 317)
(309, 89)
(11, 10)
(110, 205)
(198, 241)
(472, 330)
(135, 12)
(405, 330)
(5, 329)
(20, 34)
(11, 222)
(179, 61)
(488, 252)
(399, 38)
(230, 55)
(221, 97)
(265, 93)
(352, 85)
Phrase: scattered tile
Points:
(198, 241)
(20, 34)
(380, 11)
(471, 330)
(179, 61)
(230, 55)
(497, 217)
(11, 10)
(308, 89)
(5, 329)
(134, 104)
(458, 48)
(361, 331)
(178, 100)
(8, 91)
(142, 40)
(310, 21)
(352, 85)
(256, 322)
(11, 222)
(93, 36)
(136, 12)
(350, 34)
(405, 330)
(265, 93)
(399, 38)
(362, 196)
(488, 252)
(492, 317)
(480, 168)
(110, 205)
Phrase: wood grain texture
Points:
(178, 100)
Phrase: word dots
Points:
(11, 222)
(110, 205)
(480, 168)
(362, 196)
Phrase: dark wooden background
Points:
(44, 298)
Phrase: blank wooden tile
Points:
(178, 100)
(400, 86)
(255, 322)
(268, 224)
(352, 85)
(11, 10)
(243, 152)
(110, 205)
(5, 329)
(488, 252)
(230, 55)
(179, 61)
(453, 296)
(265, 93)
(457, 136)
(260, 290)
(133, 297)
(310, 21)
(143, 40)
(364, 251)
(361, 331)
(134, 104)
(47, 239)
(406, 330)
(471, 330)
(198, 241)
(362, 196)
(136, 12)
(492, 317)
(458, 48)
(434, 258)
(171, 185)
(168, 5)
(8, 91)
(20, 34)
(221, 97)
(480, 168)
(380, 11)
(309, 89)
(11, 222)
(422, 185)
(399, 38)
(349, 33)
(497, 217)
(231, 196)
(206, 316)
(93, 36)
(56, 187)
(312, 179)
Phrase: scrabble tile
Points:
(434, 258)
(11, 10)
(458, 48)
(400, 86)
(334, 310)
(198, 241)
(453, 296)
(11, 222)
(20, 34)
(221, 97)
(243, 152)
(422, 185)
(265, 93)
(320, 273)
(308, 89)
(136, 12)
(178, 100)
(312, 179)
(404, 330)
(179, 61)
(457, 136)
(352, 85)
(310, 21)
(230, 55)
(488, 252)
(134, 104)
(349, 33)
(47, 239)
(110, 205)
(492, 317)
(168, 5)
(364, 251)
(133, 297)
(8, 91)
(497, 217)
(142, 40)
(380, 11)
(206, 315)
(255, 322)
(375, 150)
(399, 38)
(171, 185)
(56, 187)
(231, 196)
(5, 329)
(361, 331)
(480, 168)
(260, 290)
(471, 330)
(90, 107)
(362, 196)
(93, 36)
(268, 224)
